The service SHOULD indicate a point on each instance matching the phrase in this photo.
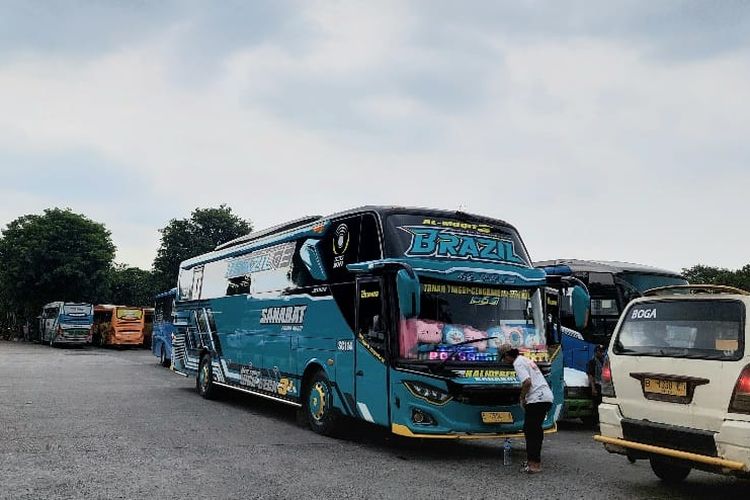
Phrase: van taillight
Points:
(608, 388)
(741, 395)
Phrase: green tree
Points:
(182, 239)
(700, 274)
(59, 255)
(131, 286)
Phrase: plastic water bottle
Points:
(507, 453)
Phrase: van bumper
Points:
(732, 444)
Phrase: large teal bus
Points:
(386, 314)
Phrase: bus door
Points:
(370, 367)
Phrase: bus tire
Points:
(165, 361)
(204, 380)
(668, 472)
(318, 404)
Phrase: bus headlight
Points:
(427, 392)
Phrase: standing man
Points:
(594, 371)
(536, 400)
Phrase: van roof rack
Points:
(693, 290)
(273, 229)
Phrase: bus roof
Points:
(169, 293)
(282, 231)
(604, 266)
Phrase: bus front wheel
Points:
(319, 405)
(204, 381)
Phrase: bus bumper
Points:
(403, 430)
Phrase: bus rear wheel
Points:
(204, 381)
(318, 401)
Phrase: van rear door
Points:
(676, 361)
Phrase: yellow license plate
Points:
(667, 387)
(497, 417)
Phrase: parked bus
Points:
(385, 314)
(118, 325)
(612, 285)
(161, 340)
(65, 323)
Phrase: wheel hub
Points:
(318, 400)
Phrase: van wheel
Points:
(667, 472)
(165, 361)
(318, 401)
(204, 381)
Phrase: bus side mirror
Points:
(310, 256)
(408, 294)
(581, 303)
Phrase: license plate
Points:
(666, 387)
(497, 417)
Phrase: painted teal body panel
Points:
(371, 392)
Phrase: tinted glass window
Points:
(339, 247)
(683, 329)
(371, 320)
(643, 281)
(369, 239)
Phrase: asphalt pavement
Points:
(104, 423)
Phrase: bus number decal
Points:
(345, 345)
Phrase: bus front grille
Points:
(483, 395)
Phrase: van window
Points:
(704, 329)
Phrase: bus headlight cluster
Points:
(427, 392)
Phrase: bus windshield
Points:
(646, 281)
(468, 323)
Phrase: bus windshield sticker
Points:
(465, 226)
(340, 245)
(450, 244)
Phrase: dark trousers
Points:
(532, 429)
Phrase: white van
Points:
(676, 385)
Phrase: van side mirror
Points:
(409, 301)
(310, 256)
(581, 304)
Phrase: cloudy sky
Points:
(611, 130)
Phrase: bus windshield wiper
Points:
(454, 349)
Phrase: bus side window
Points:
(369, 239)
(371, 324)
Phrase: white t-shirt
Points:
(539, 391)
